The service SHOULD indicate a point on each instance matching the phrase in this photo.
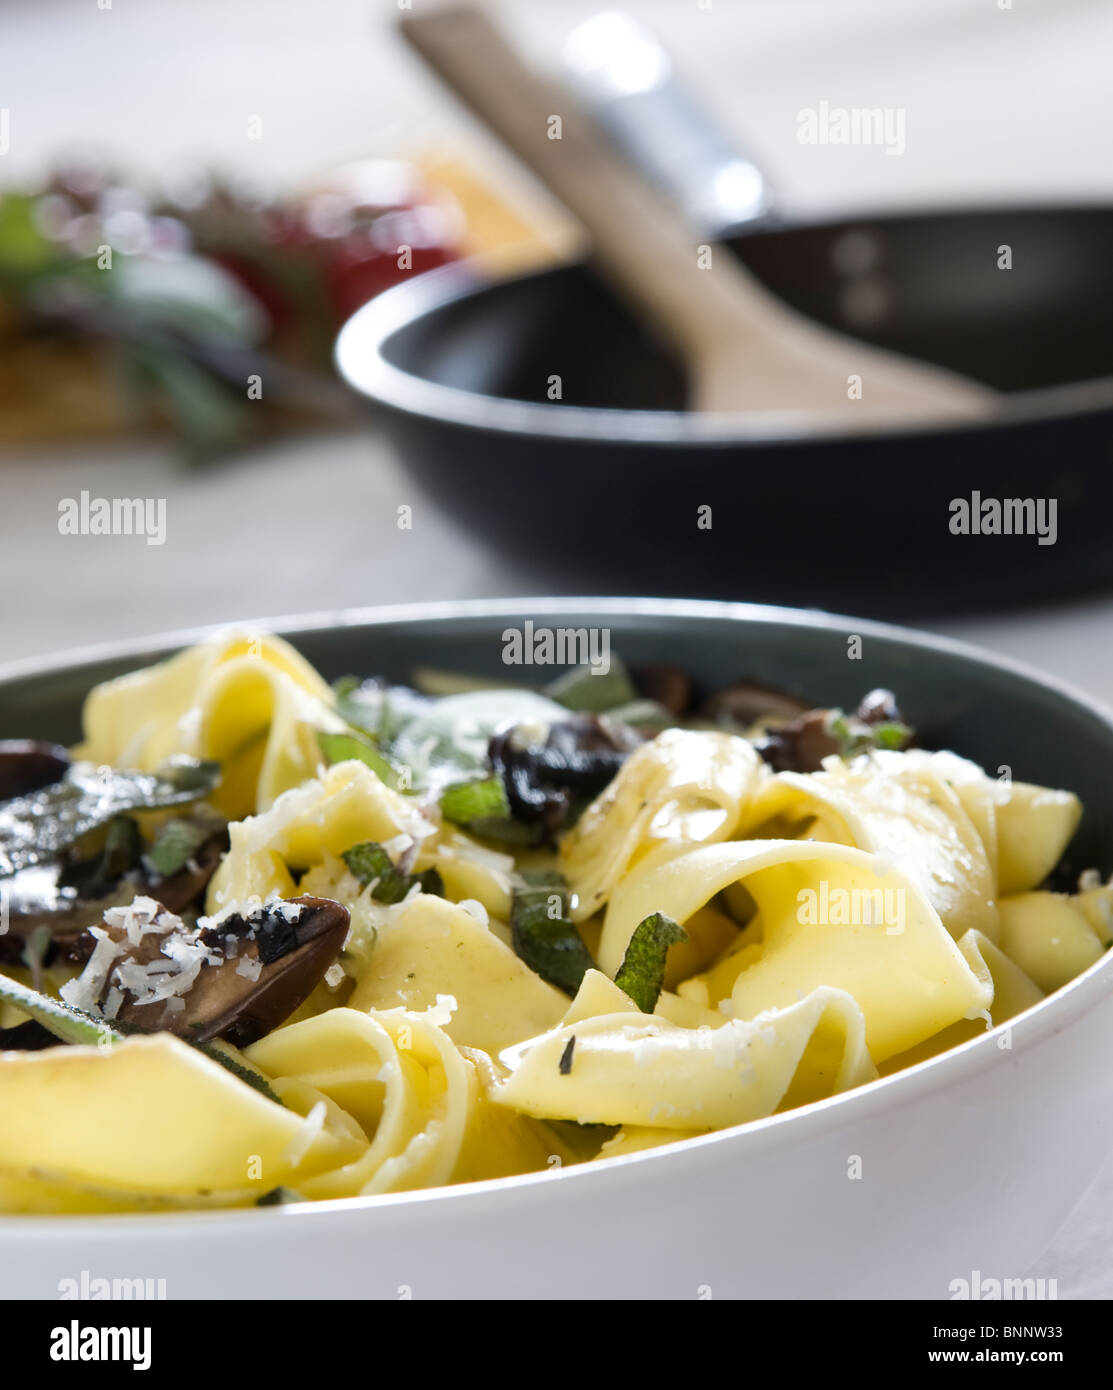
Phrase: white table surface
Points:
(1011, 103)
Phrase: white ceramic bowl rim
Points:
(1067, 1004)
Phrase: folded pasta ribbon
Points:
(248, 701)
(629, 1068)
(685, 787)
(831, 915)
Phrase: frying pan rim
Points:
(362, 361)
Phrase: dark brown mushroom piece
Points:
(578, 757)
(803, 743)
(27, 766)
(800, 745)
(667, 685)
(747, 702)
(250, 970)
(37, 897)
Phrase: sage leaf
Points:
(591, 692)
(176, 844)
(35, 829)
(341, 748)
(543, 935)
(67, 1024)
(372, 864)
(642, 972)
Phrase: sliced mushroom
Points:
(578, 756)
(747, 702)
(37, 897)
(669, 686)
(27, 766)
(801, 745)
(236, 978)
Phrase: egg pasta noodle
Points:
(425, 1002)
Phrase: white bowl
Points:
(968, 1162)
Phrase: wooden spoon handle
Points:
(744, 349)
(642, 244)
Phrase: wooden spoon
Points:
(745, 350)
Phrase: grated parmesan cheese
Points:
(140, 916)
(441, 1012)
(170, 975)
(475, 910)
(85, 991)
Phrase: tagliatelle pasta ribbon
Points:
(908, 976)
(325, 816)
(427, 947)
(684, 787)
(153, 1116)
(897, 806)
(420, 1101)
(248, 701)
(1013, 992)
(370, 1103)
(634, 1069)
(310, 826)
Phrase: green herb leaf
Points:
(642, 972)
(481, 806)
(892, 735)
(356, 712)
(371, 864)
(342, 748)
(279, 1197)
(25, 250)
(209, 419)
(643, 714)
(542, 933)
(465, 802)
(35, 829)
(855, 736)
(94, 877)
(506, 832)
(67, 1024)
(580, 689)
(248, 1075)
(176, 844)
(447, 740)
(431, 680)
(190, 778)
(377, 710)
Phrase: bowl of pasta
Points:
(549, 948)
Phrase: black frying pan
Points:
(604, 487)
